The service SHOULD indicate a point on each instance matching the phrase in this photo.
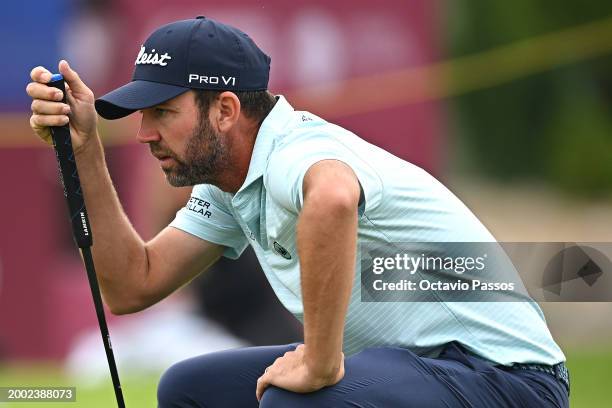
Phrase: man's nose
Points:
(147, 133)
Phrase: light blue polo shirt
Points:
(403, 203)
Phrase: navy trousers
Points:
(381, 377)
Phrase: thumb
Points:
(72, 78)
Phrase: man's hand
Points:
(48, 110)
(290, 372)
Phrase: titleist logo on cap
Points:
(152, 58)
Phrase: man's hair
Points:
(255, 105)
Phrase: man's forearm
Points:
(118, 251)
(327, 241)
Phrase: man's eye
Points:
(160, 111)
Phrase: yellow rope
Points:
(460, 75)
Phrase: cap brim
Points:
(134, 96)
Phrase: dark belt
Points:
(559, 371)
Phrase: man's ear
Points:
(229, 111)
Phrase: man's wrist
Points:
(91, 145)
(321, 367)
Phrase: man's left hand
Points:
(290, 372)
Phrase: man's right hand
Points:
(48, 110)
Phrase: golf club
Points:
(81, 229)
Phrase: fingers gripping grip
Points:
(69, 177)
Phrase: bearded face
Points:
(206, 157)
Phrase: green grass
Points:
(137, 391)
(591, 377)
(590, 368)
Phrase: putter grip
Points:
(69, 176)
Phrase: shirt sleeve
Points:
(207, 217)
(288, 166)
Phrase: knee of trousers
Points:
(275, 397)
(175, 383)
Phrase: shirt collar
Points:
(272, 127)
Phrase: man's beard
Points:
(206, 158)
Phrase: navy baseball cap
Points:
(199, 53)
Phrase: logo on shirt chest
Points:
(281, 251)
